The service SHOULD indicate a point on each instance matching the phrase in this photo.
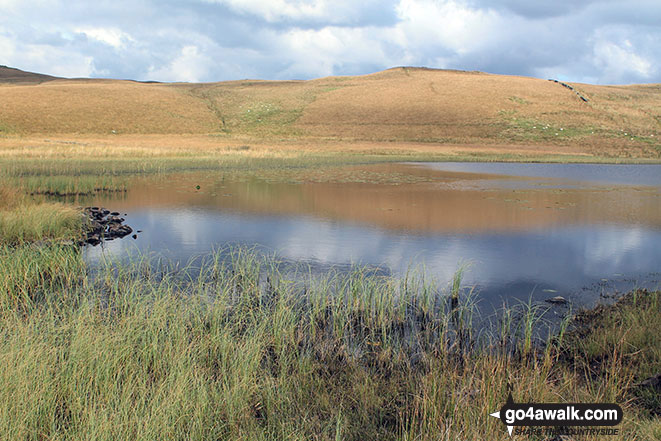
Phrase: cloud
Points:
(333, 50)
(450, 25)
(620, 61)
(278, 10)
(601, 41)
(311, 13)
(111, 36)
(57, 60)
(537, 9)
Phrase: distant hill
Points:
(12, 75)
(397, 105)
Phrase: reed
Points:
(235, 345)
(31, 222)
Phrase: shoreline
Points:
(138, 350)
(249, 357)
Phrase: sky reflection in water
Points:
(521, 230)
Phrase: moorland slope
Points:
(415, 105)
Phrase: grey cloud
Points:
(605, 41)
(341, 14)
(537, 9)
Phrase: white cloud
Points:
(190, 65)
(44, 58)
(337, 12)
(275, 10)
(450, 24)
(9, 5)
(619, 61)
(321, 52)
(111, 36)
(6, 48)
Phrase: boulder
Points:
(558, 300)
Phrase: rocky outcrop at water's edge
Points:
(102, 224)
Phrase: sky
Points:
(591, 41)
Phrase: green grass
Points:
(526, 129)
(612, 348)
(35, 222)
(271, 115)
(108, 173)
(5, 129)
(66, 185)
(87, 176)
(25, 220)
(238, 349)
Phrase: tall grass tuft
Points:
(238, 346)
(31, 221)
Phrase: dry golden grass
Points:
(23, 219)
(33, 222)
(90, 146)
(401, 110)
(10, 197)
(100, 106)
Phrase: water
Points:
(520, 230)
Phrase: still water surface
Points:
(522, 229)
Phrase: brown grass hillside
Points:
(400, 105)
(12, 75)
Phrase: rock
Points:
(558, 300)
(94, 240)
(653, 382)
(117, 230)
(104, 225)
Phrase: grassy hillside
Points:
(402, 104)
(101, 107)
(12, 75)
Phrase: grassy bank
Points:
(25, 220)
(237, 349)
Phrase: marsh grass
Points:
(248, 348)
(25, 220)
(32, 275)
(241, 347)
(86, 176)
(69, 177)
(38, 222)
(64, 185)
(612, 350)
